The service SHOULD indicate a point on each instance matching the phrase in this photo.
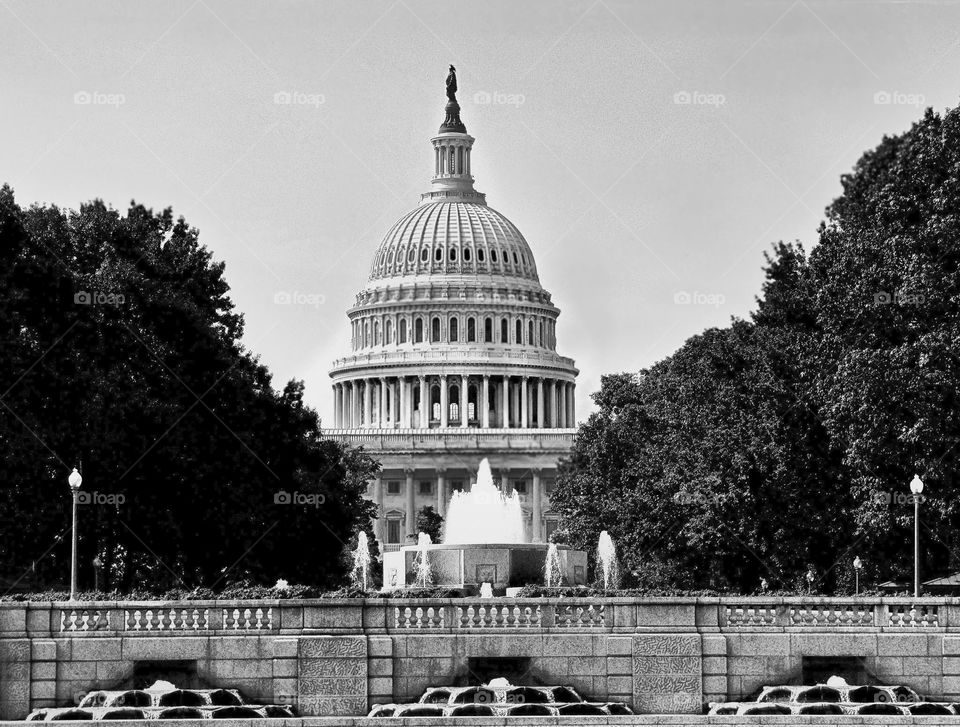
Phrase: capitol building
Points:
(453, 356)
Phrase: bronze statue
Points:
(452, 84)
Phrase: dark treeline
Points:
(120, 354)
(787, 442)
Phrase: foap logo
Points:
(698, 98)
(93, 497)
(285, 297)
(896, 98)
(896, 498)
(282, 497)
(683, 297)
(299, 98)
(98, 297)
(499, 98)
(96, 98)
(899, 298)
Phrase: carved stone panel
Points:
(667, 673)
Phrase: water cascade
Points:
(607, 558)
(553, 568)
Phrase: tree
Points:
(121, 355)
(429, 521)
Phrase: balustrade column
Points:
(540, 409)
(505, 403)
(367, 402)
(410, 515)
(464, 401)
(424, 404)
(442, 492)
(485, 411)
(444, 402)
(537, 514)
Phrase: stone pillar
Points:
(424, 404)
(367, 402)
(540, 423)
(464, 401)
(536, 533)
(411, 509)
(378, 527)
(394, 404)
(505, 403)
(515, 406)
(353, 405)
(571, 405)
(336, 406)
(552, 403)
(382, 405)
(562, 404)
(442, 492)
(404, 403)
(525, 402)
(444, 402)
(485, 403)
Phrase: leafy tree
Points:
(121, 354)
(429, 521)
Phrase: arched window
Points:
(418, 331)
(471, 330)
(424, 255)
(466, 254)
(493, 256)
(519, 332)
(480, 255)
(376, 333)
(435, 330)
(504, 338)
(403, 330)
(388, 331)
(530, 333)
(454, 330)
(452, 255)
(454, 403)
(488, 330)
(438, 254)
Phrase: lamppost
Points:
(811, 576)
(96, 572)
(916, 487)
(857, 565)
(74, 480)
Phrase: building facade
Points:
(454, 356)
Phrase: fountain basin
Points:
(467, 566)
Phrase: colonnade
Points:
(454, 400)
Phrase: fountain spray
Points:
(607, 557)
(361, 562)
(423, 577)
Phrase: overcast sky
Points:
(649, 152)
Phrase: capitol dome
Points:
(453, 238)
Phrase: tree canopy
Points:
(121, 354)
(787, 441)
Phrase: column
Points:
(442, 492)
(395, 403)
(404, 414)
(367, 402)
(525, 402)
(444, 402)
(562, 404)
(424, 404)
(515, 405)
(464, 401)
(536, 534)
(379, 525)
(485, 403)
(353, 405)
(411, 509)
(336, 406)
(540, 422)
(572, 405)
(552, 399)
(505, 403)
(383, 403)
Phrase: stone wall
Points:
(340, 657)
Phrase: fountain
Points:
(607, 558)
(360, 575)
(552, 569)
(424, 577)
(483, 542)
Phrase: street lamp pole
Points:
(916, 487)
(857, 565)
(74, 480)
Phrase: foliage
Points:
(786, 441)
(429, 521)
(121, 354)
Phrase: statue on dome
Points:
(452, 84)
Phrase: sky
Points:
(650, 152)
